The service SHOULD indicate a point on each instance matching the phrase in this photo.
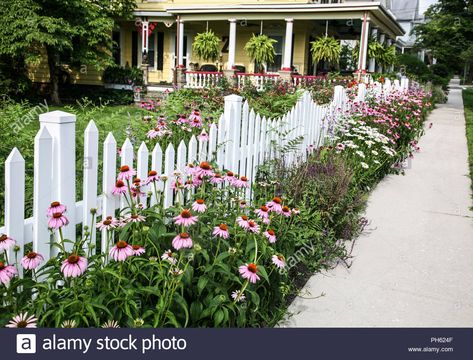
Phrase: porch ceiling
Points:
(379, 16)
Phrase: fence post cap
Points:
(15, 156)
(233, 98)
(57, 117)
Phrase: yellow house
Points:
(159, 40)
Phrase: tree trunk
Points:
(53, 78)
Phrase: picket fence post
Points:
(232, 115)
(62, 128)
(109, 169)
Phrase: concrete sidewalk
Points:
(413, 266)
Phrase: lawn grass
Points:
(468, 103)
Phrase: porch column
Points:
(389, 43)
(363, 45)
(231, 45)
(372, 62)
(144, 49)
(382, 38)
(286, 66)
(180, 54)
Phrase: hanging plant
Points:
(326, 48)
(388, 56)
(206, 46)
(375, 50)
(260, 48)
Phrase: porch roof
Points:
(378, 14)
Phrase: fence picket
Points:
(169, 166)
(126, 159)
(109, 168)
(142, 170)
(15, 202)
(90, 177)
(43, 152)
(213, 133)
(157, 165)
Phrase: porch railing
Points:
(202, 79)
(306, 79)
(258, 80)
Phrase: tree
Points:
(77, 32)
(448, 31)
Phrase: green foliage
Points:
(326, 48)
(468, 103)
(412, 65)
(206, 46)
(14, 80)
(76, 32)
(388, 56)
(260, 48)
(448, 31)
(116, 74)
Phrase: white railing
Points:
(240, 141)
(202, 79)
(257, 80)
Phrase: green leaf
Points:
(201, 284)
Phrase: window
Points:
(151, 52)
(134, 48)
(116, 51)
(160, 50)
(278, 48)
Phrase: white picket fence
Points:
(240, 142)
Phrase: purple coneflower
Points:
(152, 177)
(203, 136)
(241, 182)
(181, 241)
(252, 226)
(57, 221)
(242, 221)
(279, 261)
(56, 207)
(230, 177)
(6, 242)
(74, 266)
(138, 250)
(108, 223)
(126, 173)
(7, 272)
(286, 211)
(199, 206)
(154, 133)
(135, 218)
(217, 179)
(275, 205)
(185, 218)
(22, 321)
(169, 256)
(263, 212)
(270, 235)
(120, 188)
(32, 260)
(243, 204)
(121, 251)
(249, 271)
(204, 169)
(221, 231)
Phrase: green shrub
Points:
(413, 66)
(123, 75)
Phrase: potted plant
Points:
(260, 49)
(326, 48)
(206, 46)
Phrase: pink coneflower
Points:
(243, 204)
(182, 120)
(169, 256)
(152, 177)
(22, 321)
(203, 136)
(286, 211)
(199, 206)
(56, 207)
(7, 272)
(181, 241)
(238, 296)
(217, 179)
(154, 133)
(270, 235)
(6, 242)
(126, 173)
(296, 211)
(121, 251)
(57, 221)
(249, 271)
(108, 223)
(135, 218)
(242, 221)
(176, 184)
(197, 123)
(120, 188)
(279, 261)
(185, 218)
(138, 250)
(204, 169)
(340, 147)
(275, 205)
(197, 180)
(221, 231)
(31, 260)
(230, 177)
(191, 169)
(74, 266)
(252, 226)
(263, 212)
(189, 184)
(195, 115)
(241, 182)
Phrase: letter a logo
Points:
(26, 344)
